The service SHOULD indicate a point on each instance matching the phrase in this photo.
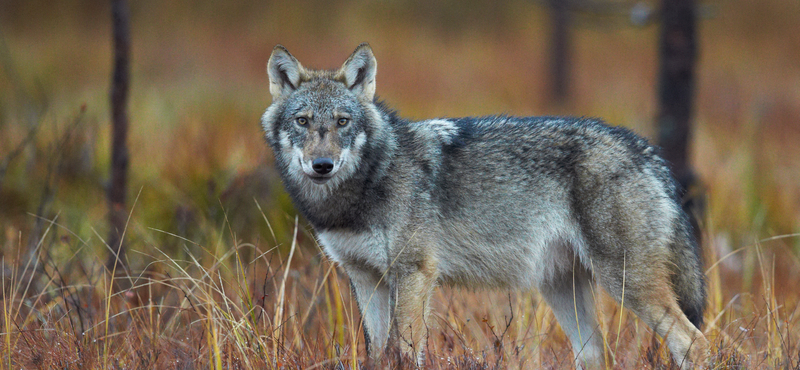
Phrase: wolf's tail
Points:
(688, 278)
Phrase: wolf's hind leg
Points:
(687, 344)
(372, 296)
(569, 295)
(648, 293)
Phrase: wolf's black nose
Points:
(322, 166)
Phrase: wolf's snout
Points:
(322, 166)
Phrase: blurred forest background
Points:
(205, 203)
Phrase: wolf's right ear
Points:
(358, 72)
(284, 72)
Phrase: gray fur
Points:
(549, 203)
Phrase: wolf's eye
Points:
(302, 121)
(343, 121)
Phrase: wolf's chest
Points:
(346, 247)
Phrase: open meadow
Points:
(220, 271)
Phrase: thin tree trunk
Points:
(678, 49)
(559, 53)
(119, 115)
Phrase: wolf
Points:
(550, 203)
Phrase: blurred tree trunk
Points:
(559, 53)
(119, 125)
(678, 53)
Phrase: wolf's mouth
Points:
(319, 179)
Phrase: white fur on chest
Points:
(348, 247)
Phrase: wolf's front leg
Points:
(411, 310)
(372, 295)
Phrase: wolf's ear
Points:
(284, 72)
(358, 72)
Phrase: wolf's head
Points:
(319, 121)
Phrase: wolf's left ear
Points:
(284, 72)
(358, 72)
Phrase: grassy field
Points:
(221, 272)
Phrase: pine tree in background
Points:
(119, 127)
(678, 54)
